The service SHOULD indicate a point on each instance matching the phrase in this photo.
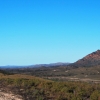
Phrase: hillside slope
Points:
(90, 60)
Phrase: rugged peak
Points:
(98, 51)
(92, 59)
(95, 55)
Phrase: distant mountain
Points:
(90, 60)
(34, 66)
(50, 65)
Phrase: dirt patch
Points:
(9, 96)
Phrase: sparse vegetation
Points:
(33, 88)
(60, 83)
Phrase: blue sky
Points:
(48, 31)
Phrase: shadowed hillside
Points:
(4, 72)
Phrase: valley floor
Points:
(89, 80)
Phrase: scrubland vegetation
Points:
(34, 88)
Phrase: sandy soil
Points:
(9, 96)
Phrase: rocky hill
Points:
(90, 60)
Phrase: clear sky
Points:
(48, 31)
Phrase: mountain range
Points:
(87, 67)
(92, 59)
(37, 65)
